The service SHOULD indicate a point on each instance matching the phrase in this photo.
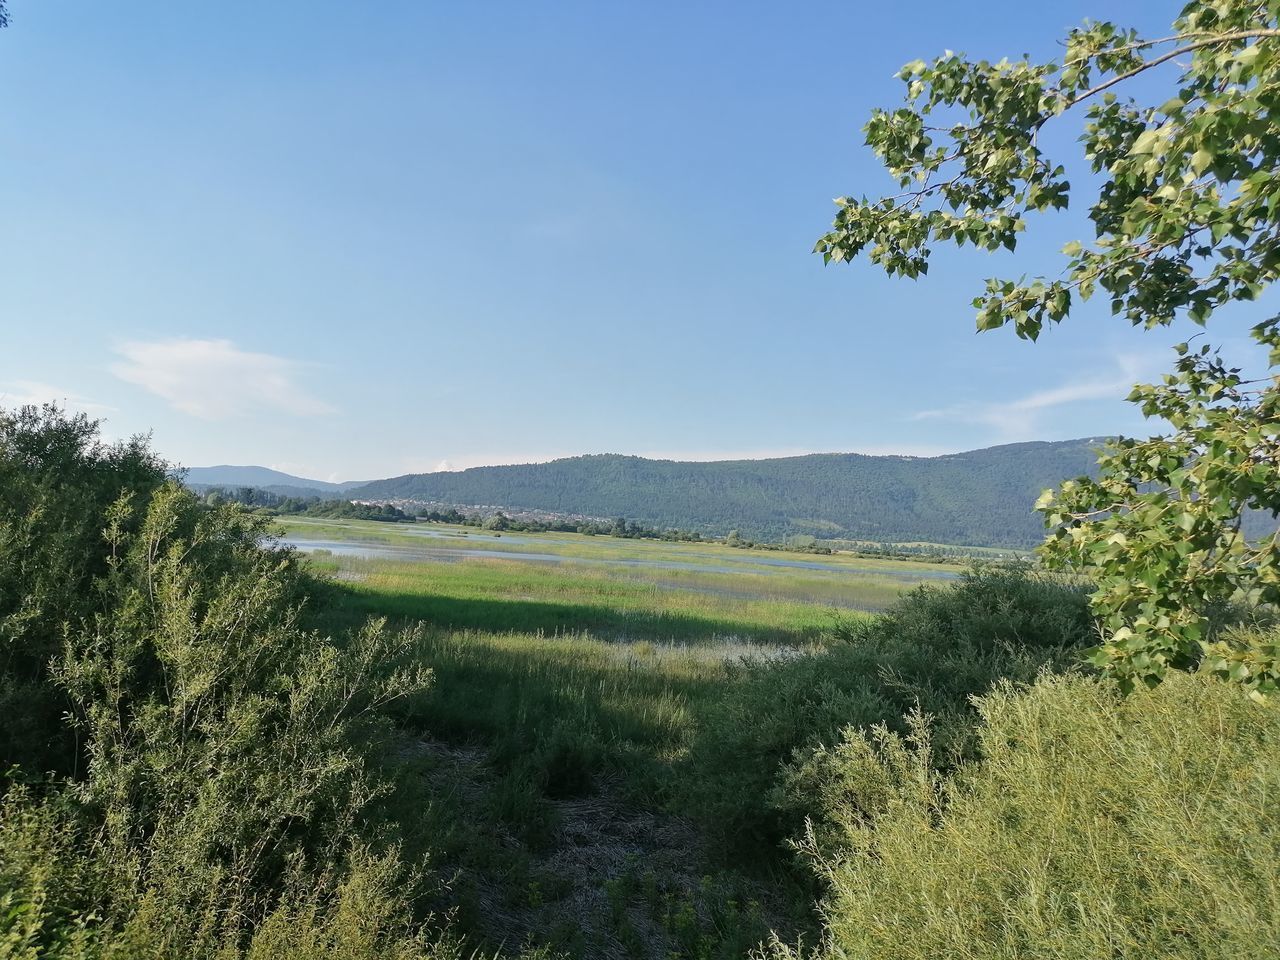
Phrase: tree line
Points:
(274, 504)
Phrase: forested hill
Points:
(264, 478)
(978, 498)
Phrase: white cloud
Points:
(20, 393)
(215, 379)
(1019, 419)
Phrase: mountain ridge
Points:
(979, 497)
(263, 478)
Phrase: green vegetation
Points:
(214, 749)
(606, 585)
(550, 744)
(1186, 217)
(503, 595)
(275, 504)
(190, 771)
(698, 729)
(619, 527)
(1094, 825)
(708, 555)
(933, 651)
(981, 498)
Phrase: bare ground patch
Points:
(611, 880)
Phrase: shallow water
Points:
(761, 565)
(433, 533)
(350, 548)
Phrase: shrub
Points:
(935, 649)
(200, 765)
(355, 910)
(57, 482)
(1094, 825)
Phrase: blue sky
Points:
(357, 240)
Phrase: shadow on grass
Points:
(555, 710)
(351, 603)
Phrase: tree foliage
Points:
(1186, 221)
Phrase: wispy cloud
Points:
(215, 379)
(1019, 419)
(19, 393)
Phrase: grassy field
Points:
(503, 595)
(590, 661)
(585, 666)
(573, 678)
(580, 545)
(634, 589)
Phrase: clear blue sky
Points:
(360, 239)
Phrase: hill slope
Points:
(264, 478)
(979, 498)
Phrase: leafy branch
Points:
(1186, 220)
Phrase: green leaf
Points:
(1145, 144)
(1201, 160)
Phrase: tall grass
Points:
(52, 873)
(558, 710)
(1094, 825)
(704, 728)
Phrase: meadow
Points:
(559, 581)
(576, 747)
(573, 680)
(599, 659)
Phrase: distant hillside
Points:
(264, 478)
(978, 498)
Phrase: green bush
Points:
(52, 873)
(935, 649)
(57, 483)
(1094, 825)
(186, 764)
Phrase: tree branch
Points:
(1164, 58)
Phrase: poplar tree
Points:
(1185, 210)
